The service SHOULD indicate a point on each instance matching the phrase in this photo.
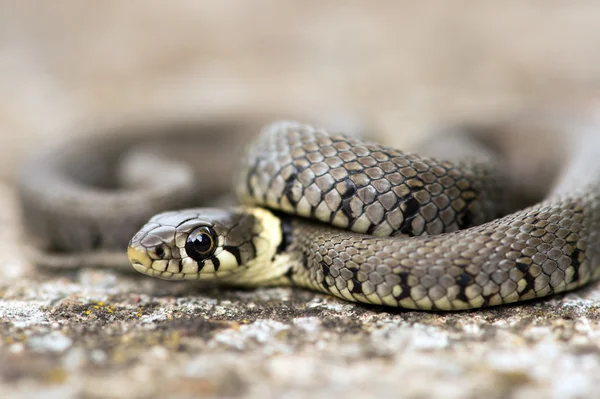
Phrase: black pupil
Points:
(202, 243)
(160, 252)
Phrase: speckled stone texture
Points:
(405, 66)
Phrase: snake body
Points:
(371, 224)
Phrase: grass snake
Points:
(481, 217)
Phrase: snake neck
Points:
(306, 252)
(274, 260)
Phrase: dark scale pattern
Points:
(534, 253)
(371, 189)
(364, 187)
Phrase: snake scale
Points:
(372, 224)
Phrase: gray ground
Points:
(401, 66)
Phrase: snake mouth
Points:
(139, 259)
(139, 267)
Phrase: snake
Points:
(478, 217)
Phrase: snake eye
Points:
(200, 243)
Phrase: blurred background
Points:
(405, 67)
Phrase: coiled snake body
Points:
(375, 225)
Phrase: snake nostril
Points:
(160, 252)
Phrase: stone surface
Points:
(403, 66)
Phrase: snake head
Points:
(206, 243)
